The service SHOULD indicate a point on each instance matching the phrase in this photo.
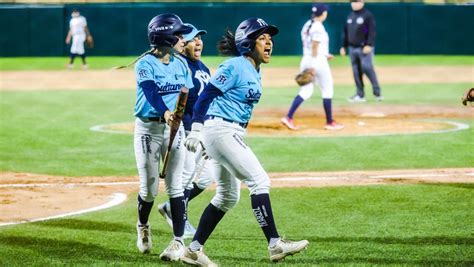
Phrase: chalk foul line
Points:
(117, 198)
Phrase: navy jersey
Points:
(359, 30)
(201, 76)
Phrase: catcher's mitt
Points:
(468, 96)
(90, 41)
(305, 77)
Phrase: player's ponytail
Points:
(227, 46)
(151, 51)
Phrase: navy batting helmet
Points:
(248, 31)
(162, 30)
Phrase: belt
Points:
(155, 119)
(241, 124)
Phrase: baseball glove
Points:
(468, 96)
(90, 41)
(305, 77)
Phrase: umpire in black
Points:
(359, 38)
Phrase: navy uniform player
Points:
(359, 37)
(201, 75)
(160, 75)
(225, 107)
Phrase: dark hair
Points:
(226, 45)
(136, 59)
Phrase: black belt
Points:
(156, 119)
(241, 124)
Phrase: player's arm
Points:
(193, 141)
(150, 89)
(204, 100)
(68, 37)
(86, 30)
(314, 49)
(371, 28)
(345, 42)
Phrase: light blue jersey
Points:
(169, 78)
(241, 86)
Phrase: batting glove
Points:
(193, 141)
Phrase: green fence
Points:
(120, 29)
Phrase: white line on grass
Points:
(414, 175)
(67, 184)
(117, 198)
(105, 128)
(457, 126)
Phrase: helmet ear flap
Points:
(248, 45)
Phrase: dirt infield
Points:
(271, 77)
(26, 197)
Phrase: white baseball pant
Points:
(323, 77)
(150, 142)
(224, 142)
(77, 46)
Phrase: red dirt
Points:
(54, 195)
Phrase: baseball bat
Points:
(178, 116)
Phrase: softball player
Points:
(201, 76)
(78, 32)
(315, 41)
(225, 107)
(160, 75)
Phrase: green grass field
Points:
(47, 132)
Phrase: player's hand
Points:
(170, 120)
(193, 141)
(330, 56)
(342, 51)
(367, 49)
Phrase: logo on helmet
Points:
(164, 28)
(262, 22)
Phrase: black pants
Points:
(363, 64)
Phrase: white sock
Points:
(180, 239)
(195, 246)
(273, 241)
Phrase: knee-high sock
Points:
(72, 56)
(195, 192)
(178, 214)
(262, 209)
(83, 56)
(144, 209)
(208, 222)
(328, 109)
(294, 106)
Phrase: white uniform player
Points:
(226, 106)
(160, 76)
(315, 41)
(197, 175)
(78, 32)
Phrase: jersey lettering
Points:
(203, 78)
(221, 79)
(252, 96)
(169, 88)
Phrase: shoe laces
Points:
(144, 232)
(175, 245)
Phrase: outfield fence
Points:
(120, 29)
